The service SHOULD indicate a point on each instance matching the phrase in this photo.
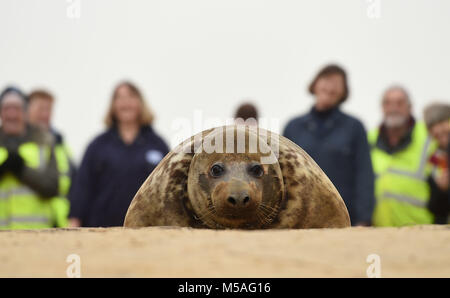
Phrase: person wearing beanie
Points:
(437, 119)
(28, 172)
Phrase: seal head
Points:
(234, 190)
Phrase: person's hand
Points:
(3, 168)
(14, 163)
(74, 222)
(442, 180)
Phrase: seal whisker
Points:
(266, 218)
(268, 215)
(268, 211)
(263, 218)
(260, 220)
(267, 207)
(206, 215)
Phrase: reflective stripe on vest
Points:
(420, 173)
(25, 220)
(402, 198)
(21, 190)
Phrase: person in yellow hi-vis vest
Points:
(29, 177)
(39, 114)
(400, 149)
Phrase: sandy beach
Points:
(421, 251)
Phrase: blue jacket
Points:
(338, 143)
(111, 173)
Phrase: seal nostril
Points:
(246, 200)
(231, 200)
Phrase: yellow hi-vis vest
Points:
(62, 156)
(62, 206)
(20, 206)
(401, 188)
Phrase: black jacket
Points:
(111, 173)
(338, 143)
(439, 203)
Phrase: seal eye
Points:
(256, 171)
(217, 170)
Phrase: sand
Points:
(421, 251)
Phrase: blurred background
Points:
(208, 55)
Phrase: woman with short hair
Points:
(337, 142)
(116, 162)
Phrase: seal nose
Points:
(239, 200)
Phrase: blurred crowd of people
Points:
(394, 175)
(40, 187)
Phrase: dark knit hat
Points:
(435, 113)
(12, 89)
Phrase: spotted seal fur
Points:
(274, 184)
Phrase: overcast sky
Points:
(203, 58)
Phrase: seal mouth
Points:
(237, 215)
(256, 215)
(233, 211)
(253, 218)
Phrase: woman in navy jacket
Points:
(338, 143)
(116, 162)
